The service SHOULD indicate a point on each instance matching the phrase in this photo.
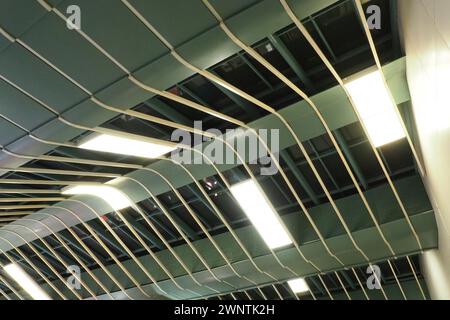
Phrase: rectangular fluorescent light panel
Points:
(376, 108)
(115, 198)
(298, 285)
(258, 209)
(126, 146)
(26, 282)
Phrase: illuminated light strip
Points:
(278, 261)
(62, 182)
(61, 260)
(201, 225)
(341, 83)
(84, 246)
(267, 108)
(110, 195)
(43, 259)
(117, 200)
(378, 64)
(188, 102)
(277, 73)
(370, 97)
(262, 215)
(102, 244)
(125, 146)
(330, 67)
(36, 181)
(123, 245)
(26, 282)
(298, 285)
(60, 118)
(32, 265)
(222, 116)
(126, 165)
(9, 286)
(134, 80)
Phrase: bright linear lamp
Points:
(298, 285)
(26, 282)
(115, 198)
(260, 212)
(121, 145)
(376, 109)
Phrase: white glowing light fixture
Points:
(116, 199)
(26, 282)
(376, 108)
(298, 285)
(126, 146)
(258, 209)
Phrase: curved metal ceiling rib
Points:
(30, 148)
(62, 116)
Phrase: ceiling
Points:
(186, 237)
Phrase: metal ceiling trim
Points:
(86, 127)
(372, 228)
(35, 268)
(296, 89)
(330, 67)
(103, 245)
(11, 288)
(101, 129)
(373, 49)
(252, 99)
(308, 7)
(287, 276)
(88, 250)
(267, 108)
(64, 263)
(222, 116)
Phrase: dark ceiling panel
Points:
(18, 16)
(181, 26)
(230, 7)
(117, 30)
(8, 132)
(71, 53)
(3, 42)
(25, 70)
(21, 109)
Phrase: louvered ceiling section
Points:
(141, 69)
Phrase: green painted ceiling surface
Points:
(202, 43)
(385, 208)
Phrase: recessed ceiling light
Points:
(298, 285)
(116, 199)
(260, 212)
(126, 146)
(26, 282)
(375, 106)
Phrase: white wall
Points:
(425, 29)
